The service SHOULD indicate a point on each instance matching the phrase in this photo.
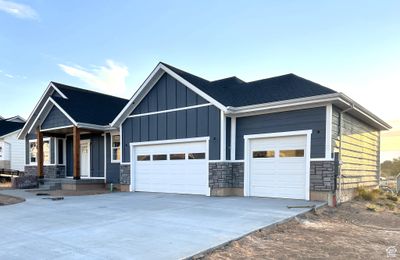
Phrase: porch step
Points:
(50, 184)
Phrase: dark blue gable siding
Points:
(55, 118)
(196, 122)
(112, 168)
(313, 118)
(168, 93)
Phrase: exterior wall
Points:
(226, 178)
(313, 118)
(169, 94)
(96, 155)
(322, 176)
(360, 151)
(15, 150)
(113, 169)
(55, 118)
(125, 174)
(49, 171)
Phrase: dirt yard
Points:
(357, 230)
(9, 200)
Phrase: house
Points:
(284, 137)
(12, 150)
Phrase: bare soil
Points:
(355, 230)
(9, 200)
(62, 193)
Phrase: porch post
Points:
(77, 151)
(40, 155)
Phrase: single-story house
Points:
(284, 137)
(12, 150)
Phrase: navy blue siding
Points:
(55, 118)
(168, 93)
(313, 118)
(197, 122)
(228, 138)
(96, 154)
(112, 168)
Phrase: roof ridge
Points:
(175, 68)
(85, 90)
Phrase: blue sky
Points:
(112, 46)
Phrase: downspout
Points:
(340, 149)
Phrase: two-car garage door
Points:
(171, 168)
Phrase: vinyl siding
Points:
(360, 150)
(55, 118)
(112, 168)
(313, 118)
(17, 147)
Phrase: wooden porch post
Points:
(77, 151)
(40, 155)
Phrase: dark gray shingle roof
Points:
(7, 127)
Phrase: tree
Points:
(391, 168)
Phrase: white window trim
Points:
(328, 129)
(111, 147)
(247, 154)
(29, 152)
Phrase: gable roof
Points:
(236, 97)
(235, 92)
(84, 108)
(7, 127)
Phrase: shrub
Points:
(368, 195)
(390, 206)
(392, 197)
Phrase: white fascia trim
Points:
(46, 106)
(233, 138)
(321, 159)
(328, 130)
(171, 110)
(63, 111)
(223, 137)
(49, 88)
(105, 157)
(193, 88)
(172, 141)
(278, 134)
(58, 91)
(92, 126)
(320, 99)
(55, 128)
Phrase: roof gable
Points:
(55, 118)
(7, 127)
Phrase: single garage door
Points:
(278, 167)
(171, 168)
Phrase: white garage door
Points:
(278, 167)
(171, 168)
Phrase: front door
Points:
(85, 158)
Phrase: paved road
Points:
(131, 225)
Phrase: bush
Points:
(368, 195)
(392, 197)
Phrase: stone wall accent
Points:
(125, 174)
(24, 182)
(49, 171)
(322, 175)
(225, 175)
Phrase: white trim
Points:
(328, 130)
(111, 147)
(125, 163)
(218, 161)
(223, 137)
(193, 88)
(247, 153)
(29, 152)
(182, 140)
(185, 140)
(105, 157)
(321, 159)
(55, 128)
(233, 138)
(63, 111)
(38, 115)
(170, 110)
(58, 91)
(150, 81)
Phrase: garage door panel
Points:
(283, 175)
(187, 176)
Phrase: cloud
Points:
(18, 10)
(110, 79)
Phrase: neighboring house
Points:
(277, 137)
(12, 150)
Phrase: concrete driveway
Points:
(131, 225)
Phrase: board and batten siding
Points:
(305, 119)
(55, 118)
(112, 168)
(167, 94)
(360, 150)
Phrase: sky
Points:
(112, 46)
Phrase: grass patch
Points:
(368, 195)
(392, 197)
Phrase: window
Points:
(196, 156)
(60, 151)
(115, 148)
(177, 156)
(264, 154)
(143, 157)
(159, 157)
(33, 150)
(291, 153)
